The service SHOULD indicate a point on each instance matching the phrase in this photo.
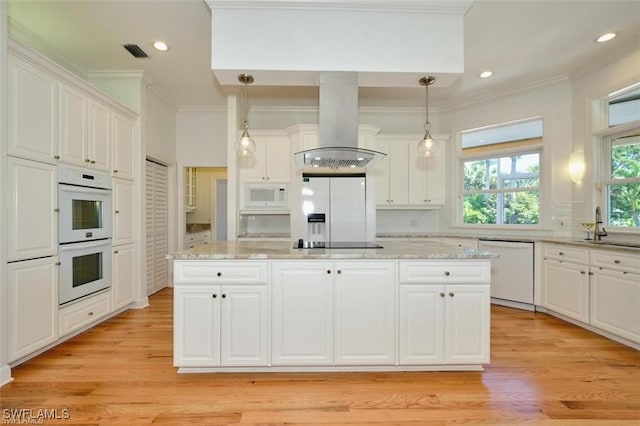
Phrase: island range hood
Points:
(338, 126)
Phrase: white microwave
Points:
(266, 195)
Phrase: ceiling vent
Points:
(135, 50)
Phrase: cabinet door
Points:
(302, 313)
(123, 211)
(99, 137)
(32, 305)
(31, 103)
(33, 199)
(244, 320)
(123, 275)
(615, 303)
(566, 289)
(254, 168)
(196, 317)
(467, 324)
(421, 328)
(73, 126)
(418, 168)
(124, 147)
(381, 175)
(278, 159)
(398, 173)
(365, 312)
(436, 177)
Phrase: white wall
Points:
(159, 128)
(201, 137)
(553, 103)
(587, 89)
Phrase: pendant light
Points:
(245, 146)
(427, 147)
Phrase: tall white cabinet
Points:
(55, 117)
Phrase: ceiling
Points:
(524, 42)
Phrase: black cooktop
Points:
(336, 245)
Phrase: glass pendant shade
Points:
(427, 147)
(245, 146)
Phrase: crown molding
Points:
(454, 7)
(201, 108)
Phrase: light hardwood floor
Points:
(543, 371)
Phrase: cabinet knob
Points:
(56, 210)
(561, 253)
(442, 294)
(617, 262)
(115, 171)
(117, 211)
(590, 273)
(58, 263)
(86, 160)
(582, 272)
(219, 274)
(224, 296)
(56, 157)
(339, 271)
(328, 271)
(90, 313)
(451, 294)
(93, 161)
(214, 295)
(447, 273)
(115, 251)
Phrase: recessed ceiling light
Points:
(605, 37)
(161, 46)
(486, 74)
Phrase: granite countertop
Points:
(405, 249)
(192, 228)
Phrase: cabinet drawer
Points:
(618, 261)
(207, 271)
(84, 312)
(569, 254)
(445, 272)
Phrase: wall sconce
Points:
(576, 167)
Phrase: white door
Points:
(278, 159)
(99, 149)
(398, 173)
(196, 312)
(244, 334)
(157, 226)
(365, 312)
(421, 336)
(124, 148)
(73, 125)
(123, 275)
(467, 326)
(302, 313)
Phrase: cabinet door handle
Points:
(442, 294)
(617, 262)
(56, 210)
(447, 273)
(224, 295)
(56, 157)
(93, 161)
(339, 271)
(328, 271)
(117, 211)
(590, 273)
(582, 272)
(451, 294)
(214, 295)
(219, 273)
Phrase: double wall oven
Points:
(84, 232)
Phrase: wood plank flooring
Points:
(543, 371)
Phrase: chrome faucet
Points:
(599, 233)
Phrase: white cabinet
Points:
(32, 305)
(124, 147)
(444, 323)
(565, 279)
(302, 313)
(122, 286)
(31, 209)
(220, 316)
(220, 325)
(190, 188)
(32, 126)
(192, 239)
(123, 211)
(83, 313)
(365, 312)
(615, 293)
(404, 179)
(99, 148)
(270, 163)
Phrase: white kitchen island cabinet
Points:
(264, 306)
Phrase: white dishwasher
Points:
(511, 273)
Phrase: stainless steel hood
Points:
(338, 126)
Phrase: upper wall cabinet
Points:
(271, 161)
(124, 148)
(405, 180)
(32, 121)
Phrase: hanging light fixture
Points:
(427, 147)
(245, 146)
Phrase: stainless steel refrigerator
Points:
(334, 208)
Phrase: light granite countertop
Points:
(392, 249)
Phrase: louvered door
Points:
(157, 226)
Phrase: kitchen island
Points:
(266, 306)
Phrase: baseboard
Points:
(141, 303)
(512, 304)
(5, 375)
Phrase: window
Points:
(624, 106)
(622, 180)
(501, 174)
